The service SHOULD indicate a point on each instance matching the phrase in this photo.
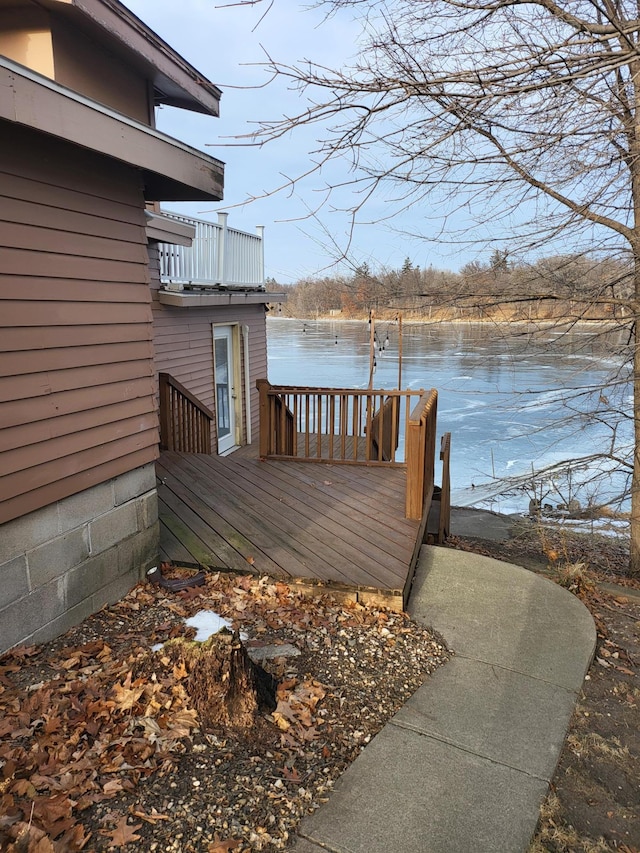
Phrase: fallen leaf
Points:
(180, 670)
(291, 775)
(280, 721)
(112, 787)
(191, 592)
(44, 845)
(224, 845)
(31, 838)
(126, 696)
(123, 833)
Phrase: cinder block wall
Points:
(67, 560)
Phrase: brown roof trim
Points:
(204, 298)
(166, 229)
(176, 82)
(172, 171)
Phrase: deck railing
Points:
(353, 426)
(333, 424)
(185, 423)
(219, 256)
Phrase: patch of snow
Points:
(207, 623)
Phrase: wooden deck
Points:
(341, 524)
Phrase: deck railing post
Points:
(420, 454)
(166, 433)
(415, 469)
(445, 497)
(266, 427)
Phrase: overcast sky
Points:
(227, 44)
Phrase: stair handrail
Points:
(185, 422)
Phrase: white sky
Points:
(225, 44)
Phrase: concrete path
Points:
(465, 764)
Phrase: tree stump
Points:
(225, 686)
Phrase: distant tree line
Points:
(559, 287)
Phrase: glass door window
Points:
(225, 391)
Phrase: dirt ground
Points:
(594, 803)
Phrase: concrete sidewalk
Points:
(464, 765)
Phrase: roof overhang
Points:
(216, 298)
(175, 81)
(172, 171)
(166, 229)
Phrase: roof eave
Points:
(176, 82)
(172, 171)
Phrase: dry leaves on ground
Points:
(100, 748)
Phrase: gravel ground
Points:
(101, 749)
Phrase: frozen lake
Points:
(510, 403)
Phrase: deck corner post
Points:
(263, 386)
(415, 471)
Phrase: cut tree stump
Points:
(225, 686)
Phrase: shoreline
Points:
(480, 321)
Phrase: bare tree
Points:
(523, 115)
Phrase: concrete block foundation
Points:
(67, 560)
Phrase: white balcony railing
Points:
(219, 257)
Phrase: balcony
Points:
(219, 257)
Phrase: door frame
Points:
(236, 391)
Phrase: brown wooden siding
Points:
(183, 344)
(76, 356)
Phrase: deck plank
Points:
(333, 523)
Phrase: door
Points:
(225, 387)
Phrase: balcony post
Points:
(260, 233)
(222, 248)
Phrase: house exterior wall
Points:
(76, 355)
(183, 343)
(70, 558)
(78, 420)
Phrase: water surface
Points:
(510, 403)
